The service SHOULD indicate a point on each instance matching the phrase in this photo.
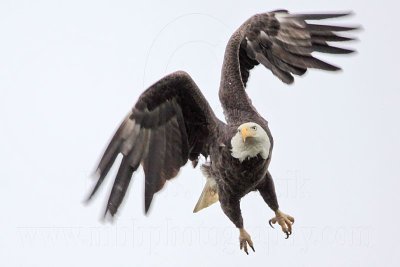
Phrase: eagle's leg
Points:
(232, 209)
(267, 191)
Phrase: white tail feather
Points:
(208, 197)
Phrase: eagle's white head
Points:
(249, 141)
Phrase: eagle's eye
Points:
(238, 130)
(254, 128)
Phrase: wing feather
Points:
(152, 165)
(120, 186)
(285, 43)
(170, 124)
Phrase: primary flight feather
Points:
(172, 122)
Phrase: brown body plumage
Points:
(172, 122)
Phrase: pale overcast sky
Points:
(70, 71)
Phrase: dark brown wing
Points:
(284, 43)
(170, 123)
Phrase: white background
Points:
(71, 70)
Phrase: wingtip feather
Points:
(147, 205)
(322, 16)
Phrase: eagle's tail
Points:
(210, 192)
(208, 197)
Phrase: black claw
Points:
(253, 248)
(287, 235)
(270, 223)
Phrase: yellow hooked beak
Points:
(245, 133)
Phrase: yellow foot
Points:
(244, 239)
(284, 220)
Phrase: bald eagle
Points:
(172, 123)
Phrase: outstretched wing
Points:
(170, 123)
(284, 43)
